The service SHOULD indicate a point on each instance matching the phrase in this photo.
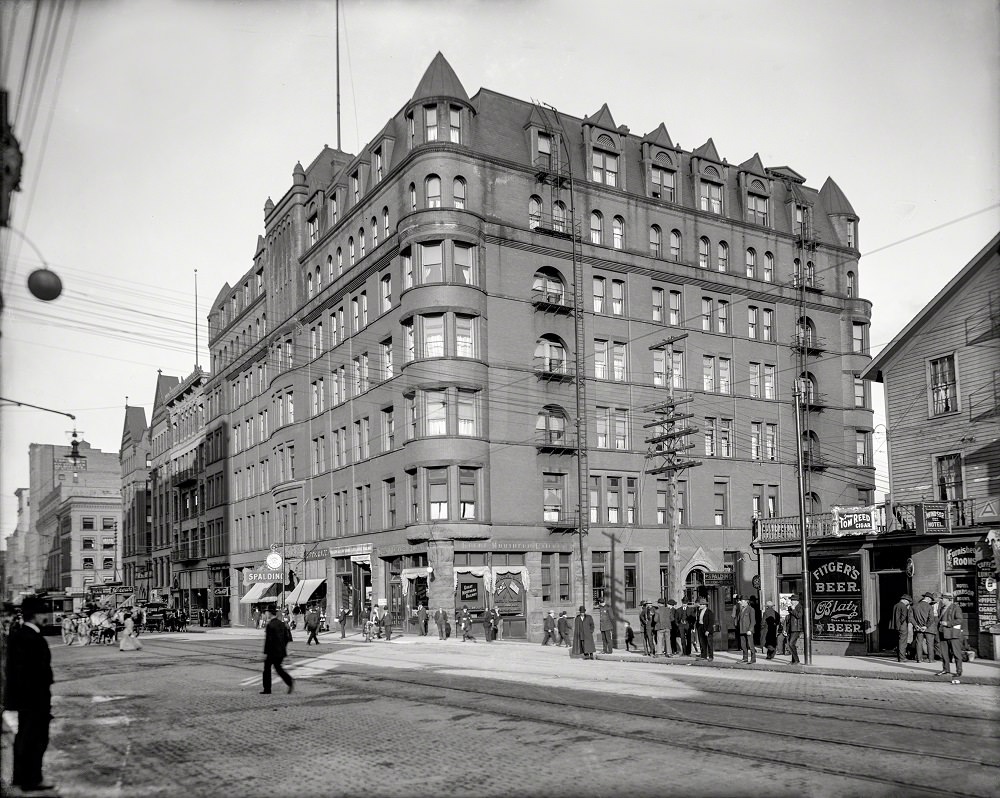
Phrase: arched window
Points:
(550, 355)
(813, 504)
(559, 216)
(350, 250)
(618, 232)
(329, 268)
(806, 332)
(810, 391)
(534, 213)
(768, 267)
(319, 279)
(796, 271)
(675, 244)
(551, 425)
(703, 247)
(385, 223)
(256, 329)
(751, 263)
(374, 229)
(851, 286)
(694, 585)
(340, 262)
(458, 193)
(263, 324)
(810, 272)
(413, 197)
(596, 227)
(549, 285)
(723, 256)
(655, 241)
(432, 191)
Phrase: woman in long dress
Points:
(129, 641)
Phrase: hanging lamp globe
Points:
(44, 284)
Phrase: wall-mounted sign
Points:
(838, 600)
(220, 591)
(718, 578)
(265, 575)
(853, 521)
(468, 591)
(986, 588)
(960, 558)
(508, 596)
(933, 517)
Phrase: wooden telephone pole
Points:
(668, 443)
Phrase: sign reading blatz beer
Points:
(838, 604)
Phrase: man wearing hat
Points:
(901, 623)
(664, 623)
(607, 628)
(744, 628)
(562, 626)
(771, 620)
(548, 628)
(793, 627)
(925, 625)
(583, 635)
(951, 627)
(705, 625)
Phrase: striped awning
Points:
(261, 591)
(302, 592)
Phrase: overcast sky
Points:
(175, 120)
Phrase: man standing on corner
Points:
(793, 627)
(583, 635)
(607, 629)
(276, 639)
(665, 622)
(901, 621)
(422, 620)
(745, 629)
(29, 693)
(440, 619)
(925, 624)
(951, 628)
(705, 624)
(342, 620)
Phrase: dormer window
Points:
(356, 188)
(313, 226)
(430, 123)
(801, 219)
(377, 162)
(410, 131)
(605, 164)
(711, 197)
(852, 234)
(333, 208)
(455, 124)
(757, 204)
(662, 184)
(544, 158)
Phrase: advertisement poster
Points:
(469, 591)
(986, 589)
(838, 603)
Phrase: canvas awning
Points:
(303, 590)
(260, 591)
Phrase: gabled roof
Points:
(874, 369)
(754, 165)
(223, 295)
(660, 137)
(834, 199)
(602, 119)
(135, 424)
(707, 151)
(787, 172)
(164, 385)
(439, 80)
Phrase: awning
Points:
(303, 590)
(257, 592)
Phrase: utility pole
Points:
(668, 443)
(806, 598)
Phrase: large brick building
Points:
(435, 376)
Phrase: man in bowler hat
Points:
(793, 627)
(276, 639)
(925, 625)
(583, 635)
(951, 627)
(705, 626)
(901, 620)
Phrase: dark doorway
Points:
(891, 586)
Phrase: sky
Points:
(160, 127)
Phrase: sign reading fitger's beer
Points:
(837, 599)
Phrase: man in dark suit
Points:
(664, 623)
(276, 639)
(583, 635)
(312, 624)
(422, 620)
(745, 623)
(705, 626)
(951, 628)
(793, 627)
(607, 629)
(440, 619)
(925, 624)
(29, 693)
(900, 622)
(342, 620)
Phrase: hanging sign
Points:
(960, 558)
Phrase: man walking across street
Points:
(607, 629)
(705, 625)
(925, 624)
(745, 629)
(312, 624)
(548, 628)
(276, 639)
(901, 623)
(562, 626)
(29, 693)
(951, 627)
(793, 627)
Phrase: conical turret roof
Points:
(440, 80)
(835, 200)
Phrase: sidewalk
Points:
(981, 672)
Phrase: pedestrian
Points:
(422, 620)
(488, 625)
(29, 694)
(951, 628)
(129, 641)
(744, 628)
(705, 626)
(936, 614)
(793, 627)
(465, 625)
(562, 626)
(583, 635)
(771, 620)
(629, 637)
(387, 623)
(440, 619)
(312, 624)
(757, 616)
(692, 628)
(925, 625)
(497, 624)
(548, 628)
(342, 620)
(644, 626)
(902, 624)
(664, 623)
(277, 636)
(607, 629)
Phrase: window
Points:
(675, 245)
(374, 231)
(107, 524)
(767, 329)
(413, 197)
(432, 191)
(631, 579)
(864, 448)
(756, 432)
(723, 256)
(771, 441)
(436, 413)
(663, 183)
(534, 213)
(675, 308)
(550, 425)
(87, 544)
(389, 494)
(621, 429)
(708, 373)
(723, 317)
(769, 381)
(707, 310)
(768, 267)
(757, 208)
(944, 385)
(312, 224)
(458, 193)
(703, 246)
(465, 336)
(725, 375)
(751, 263)
(355, 188)
(605, 168)
(655, 241)
(88, 563)
(711, 197)
(432, 342)
(377, 158)
(544, 157)
(596, 228)
(613, 499)
(598, 563)
(455, 124)
(618, 361)
(385, 293)
(385, 222)
(851, 287)
(677, 369)
(726, 446)
(432, 262)
(659, 367)
(860, 392)
(601, 359)
(602, 421)
(599, 294)
(710, 436)
(618, 232)
(350, 250)
(437, 493)
(617, 297)
(657, 301)
(559, 216)
(752, 314)
(87, 522)
(948, 476)
(721, 512)
(430, 123)
(859, 338)
(662, 499)
(467, 493)
(755, 377)
(852, 234)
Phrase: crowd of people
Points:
(932, 628)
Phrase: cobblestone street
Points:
(421, 717)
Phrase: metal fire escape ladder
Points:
(805, 247)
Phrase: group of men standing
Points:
(677, 628)
(934, 626)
